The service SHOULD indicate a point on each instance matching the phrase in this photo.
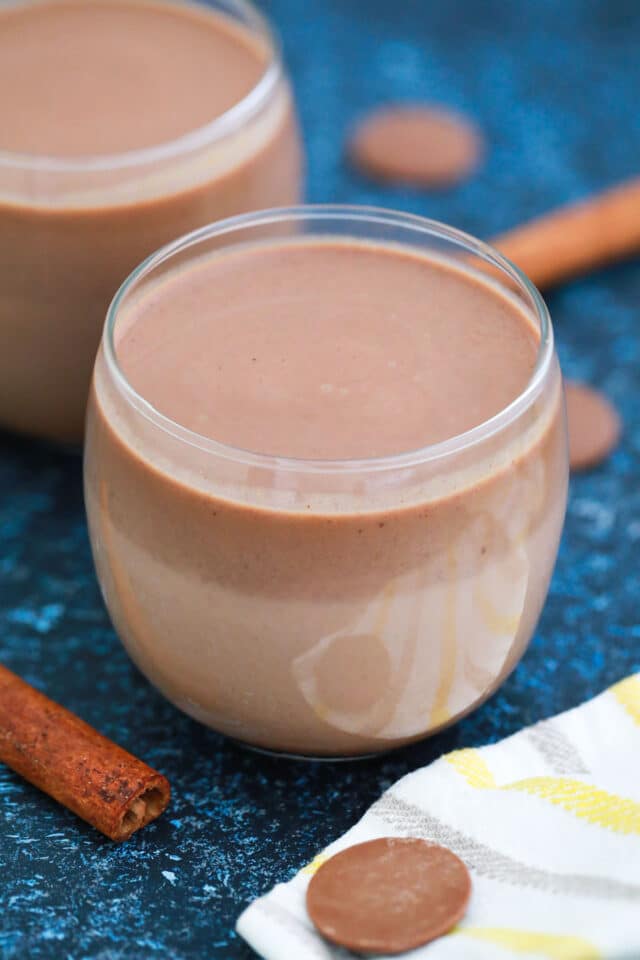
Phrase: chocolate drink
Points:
(266, 597)
(109, 147)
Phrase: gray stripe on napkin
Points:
(560, 753)
(409, 819)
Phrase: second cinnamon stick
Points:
(578, 237)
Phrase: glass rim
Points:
(217, 129)
(355, 214)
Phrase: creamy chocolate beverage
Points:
(326, 350)
(278, 550)
(129, 122)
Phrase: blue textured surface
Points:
(555, 86)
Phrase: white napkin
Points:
(548, 822)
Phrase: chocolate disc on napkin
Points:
(388, 895)
(594, 426)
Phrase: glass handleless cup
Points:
(73, 228)
(326, 608)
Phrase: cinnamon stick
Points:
(62, 755)
(577, 238)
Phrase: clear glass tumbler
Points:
(326, 608)
(73, 228)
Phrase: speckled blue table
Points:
(555, 86)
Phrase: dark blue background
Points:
(555, 87)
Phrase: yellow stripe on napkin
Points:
(470, 764)
(627, 693)
(583, 800)
(553, 946)
(315, 864)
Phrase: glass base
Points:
(309, 758)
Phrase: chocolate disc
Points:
(594, 426)
(422, 145)
(388, 895)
